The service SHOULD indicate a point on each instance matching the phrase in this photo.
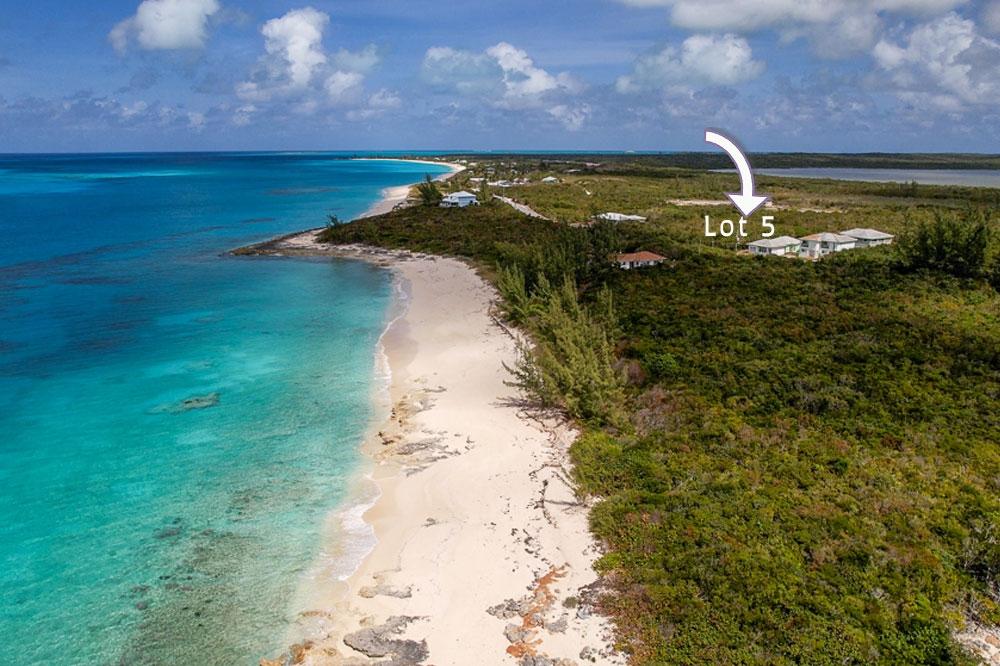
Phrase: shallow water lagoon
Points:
(177, 424)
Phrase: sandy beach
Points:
(397, 196)
(483, 555)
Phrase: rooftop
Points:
(780, 241)
(642, 255)
(868, 234)
(829, 237)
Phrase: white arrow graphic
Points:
(746, 200)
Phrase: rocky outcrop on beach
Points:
(381, 642)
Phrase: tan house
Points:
(869, 237)
(780, 246)
(815, 246)
(640, 259)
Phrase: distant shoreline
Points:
(395, 196)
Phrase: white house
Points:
(550, 179)
(459, 200)
(620, 217)
(639, 259)
(869, 237)
(815, 246)
(779, 246)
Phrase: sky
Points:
(795, 75)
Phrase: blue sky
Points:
(825, 75)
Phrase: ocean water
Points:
(963, 177)
(175, 425)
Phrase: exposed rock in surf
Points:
(188, 404)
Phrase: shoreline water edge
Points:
(463, 541)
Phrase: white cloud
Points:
(466, 72)
(747, 15)
(363, 61)
(572, 118)
(344, 87)
(702, 61)
(244, 114)
(504, 74)
(991, 17)
(524, 82)
(196, 120)
(384, 99)
(834, 28)
(166, 24)
(297, 69)
(297, 39)
(944, 63)
(378, 104)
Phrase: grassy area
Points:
(801, 464)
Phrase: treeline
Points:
(710, 159)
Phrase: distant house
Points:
(639, 259)
(500, 183)
(550, 179)
(869, 237)
(815, 246)
(779, 246)
(620, 217)
(459, 200)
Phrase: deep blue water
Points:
(174, 424)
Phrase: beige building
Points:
(780, 246)
(815, 246)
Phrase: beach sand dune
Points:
(483, 553)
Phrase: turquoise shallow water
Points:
(175, 424)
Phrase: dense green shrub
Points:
(571, 363)
(952, 244)
(430, 193)
(807, 470)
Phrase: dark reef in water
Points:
(188, 404)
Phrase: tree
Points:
(429, 193)
(994, 272)
(332, 220)
(952, 244)
(571, 365)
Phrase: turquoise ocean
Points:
(175, 424)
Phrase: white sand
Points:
(475, 505)
(399, 196)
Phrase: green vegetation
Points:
(716, 160)
(953, 245)
(430, 194)
(571, 366)
(798, 461)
